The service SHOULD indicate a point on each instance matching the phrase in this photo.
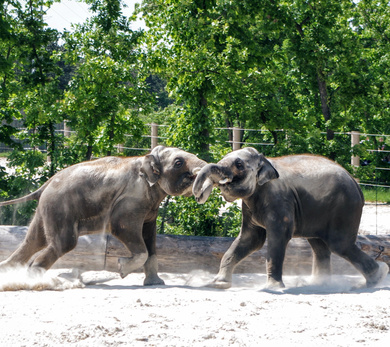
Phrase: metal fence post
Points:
(154, 135)
(236, 138)
(355, 139)
(66, 129)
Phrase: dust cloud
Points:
(15, 279)
(20, 278)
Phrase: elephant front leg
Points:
(151, 265)
(275, 258)
(251, 239)
(127, 265)
(223, 280)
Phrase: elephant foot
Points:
(379, 275)
(153, 281)
(319, 280)
(4, 266)
(36, 271)
(273, 284)
(129, 265)
(7, 265)
(219, 284)
(151, 269)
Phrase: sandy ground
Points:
(100, 309)
(67, 308)
(375, 219)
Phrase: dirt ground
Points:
(375, 219)
(100, 309)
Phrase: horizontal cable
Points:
(373, 185)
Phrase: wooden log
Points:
(183, 254)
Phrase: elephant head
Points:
(237, 175)
(174, 170)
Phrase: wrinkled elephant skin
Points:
(116, 195)
(294, 196)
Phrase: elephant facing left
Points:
(116, 195)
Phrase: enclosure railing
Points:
(235, 142)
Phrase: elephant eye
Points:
(178, 163)
(239, 164)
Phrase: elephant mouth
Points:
(186, 184)
(228, 184)
(234, 189)
(192, 178)
(226, 189)
(225, 186)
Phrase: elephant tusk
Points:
(196, 170)
(225, 180)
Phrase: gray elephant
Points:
(293, 196)
(116, 195)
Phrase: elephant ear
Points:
(151, 169)
(266, 172)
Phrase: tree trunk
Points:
(51, 147)
(205, 146)
(324, 103)
(111, 134)
(325, 107)
(88, 155)
(229, 126)
(274, 136)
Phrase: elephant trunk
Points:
(210, 175)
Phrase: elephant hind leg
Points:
(34, 241)
(59, 244)
(373, 271)
(321, 260)
(47, 258)
(61, 237)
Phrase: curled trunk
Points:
(210, 175)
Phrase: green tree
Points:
(222, 63)
(177, 39)
(8, 44)
(29, 93)
(371, 20)
(273, 64)
(30, 75)
(107, 93)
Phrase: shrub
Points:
(184, 216)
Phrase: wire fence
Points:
(377, 145)
(235, 141)
(154, 137)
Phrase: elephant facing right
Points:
(293, 196)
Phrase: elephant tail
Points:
(32, 196)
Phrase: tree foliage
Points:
(107, 92)
(305, 72)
